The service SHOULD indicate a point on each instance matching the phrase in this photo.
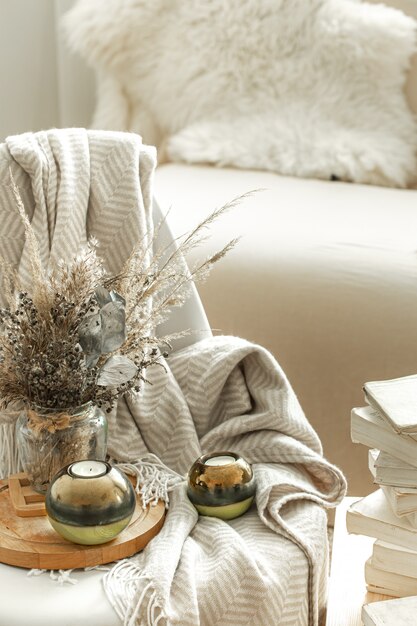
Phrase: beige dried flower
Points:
(81, 335)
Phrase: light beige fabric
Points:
(76, 184)
(224, 393)
(325, 277)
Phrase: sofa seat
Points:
(324, 276)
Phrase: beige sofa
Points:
(325, 274)
(325, 277)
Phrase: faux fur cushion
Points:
(311, 88)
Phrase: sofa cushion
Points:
(309, 88)
(325, 276)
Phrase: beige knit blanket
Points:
(74, 185)
(267, 567)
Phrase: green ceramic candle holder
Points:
(221, 484)
(90, 502)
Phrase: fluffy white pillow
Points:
(311, 88)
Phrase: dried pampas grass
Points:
(44, 360)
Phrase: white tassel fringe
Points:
(122, 586)
(154, 479)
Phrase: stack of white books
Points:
(388, 426)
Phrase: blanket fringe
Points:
(122, 586)
(60, 576)
(154, 479)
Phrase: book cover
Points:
(370, 429)
(396, 401)
(388, 470)
(393, 558)
(395, 612)
(399, 585)
(372, 516)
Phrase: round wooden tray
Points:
(31, 542)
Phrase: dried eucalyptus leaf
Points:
(102, 295)
(90, 333)
(116, 297)
(113, 327)
(91, 359)
(117, 370)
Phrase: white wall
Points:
(76, 83)
(34, 93)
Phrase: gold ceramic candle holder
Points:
(221, 484)
(90, 502)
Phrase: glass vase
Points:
(49, 439)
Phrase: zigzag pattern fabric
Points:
(269, 566)
(75, 184)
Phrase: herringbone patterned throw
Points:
(266, 568)
(269, 566)
(75, 184)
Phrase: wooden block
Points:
(25, 501)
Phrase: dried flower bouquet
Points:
(82, 336)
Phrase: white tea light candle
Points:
(220, 460)
(87, 469)
(221, 484)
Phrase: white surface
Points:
(325, 277)
(40, 601)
